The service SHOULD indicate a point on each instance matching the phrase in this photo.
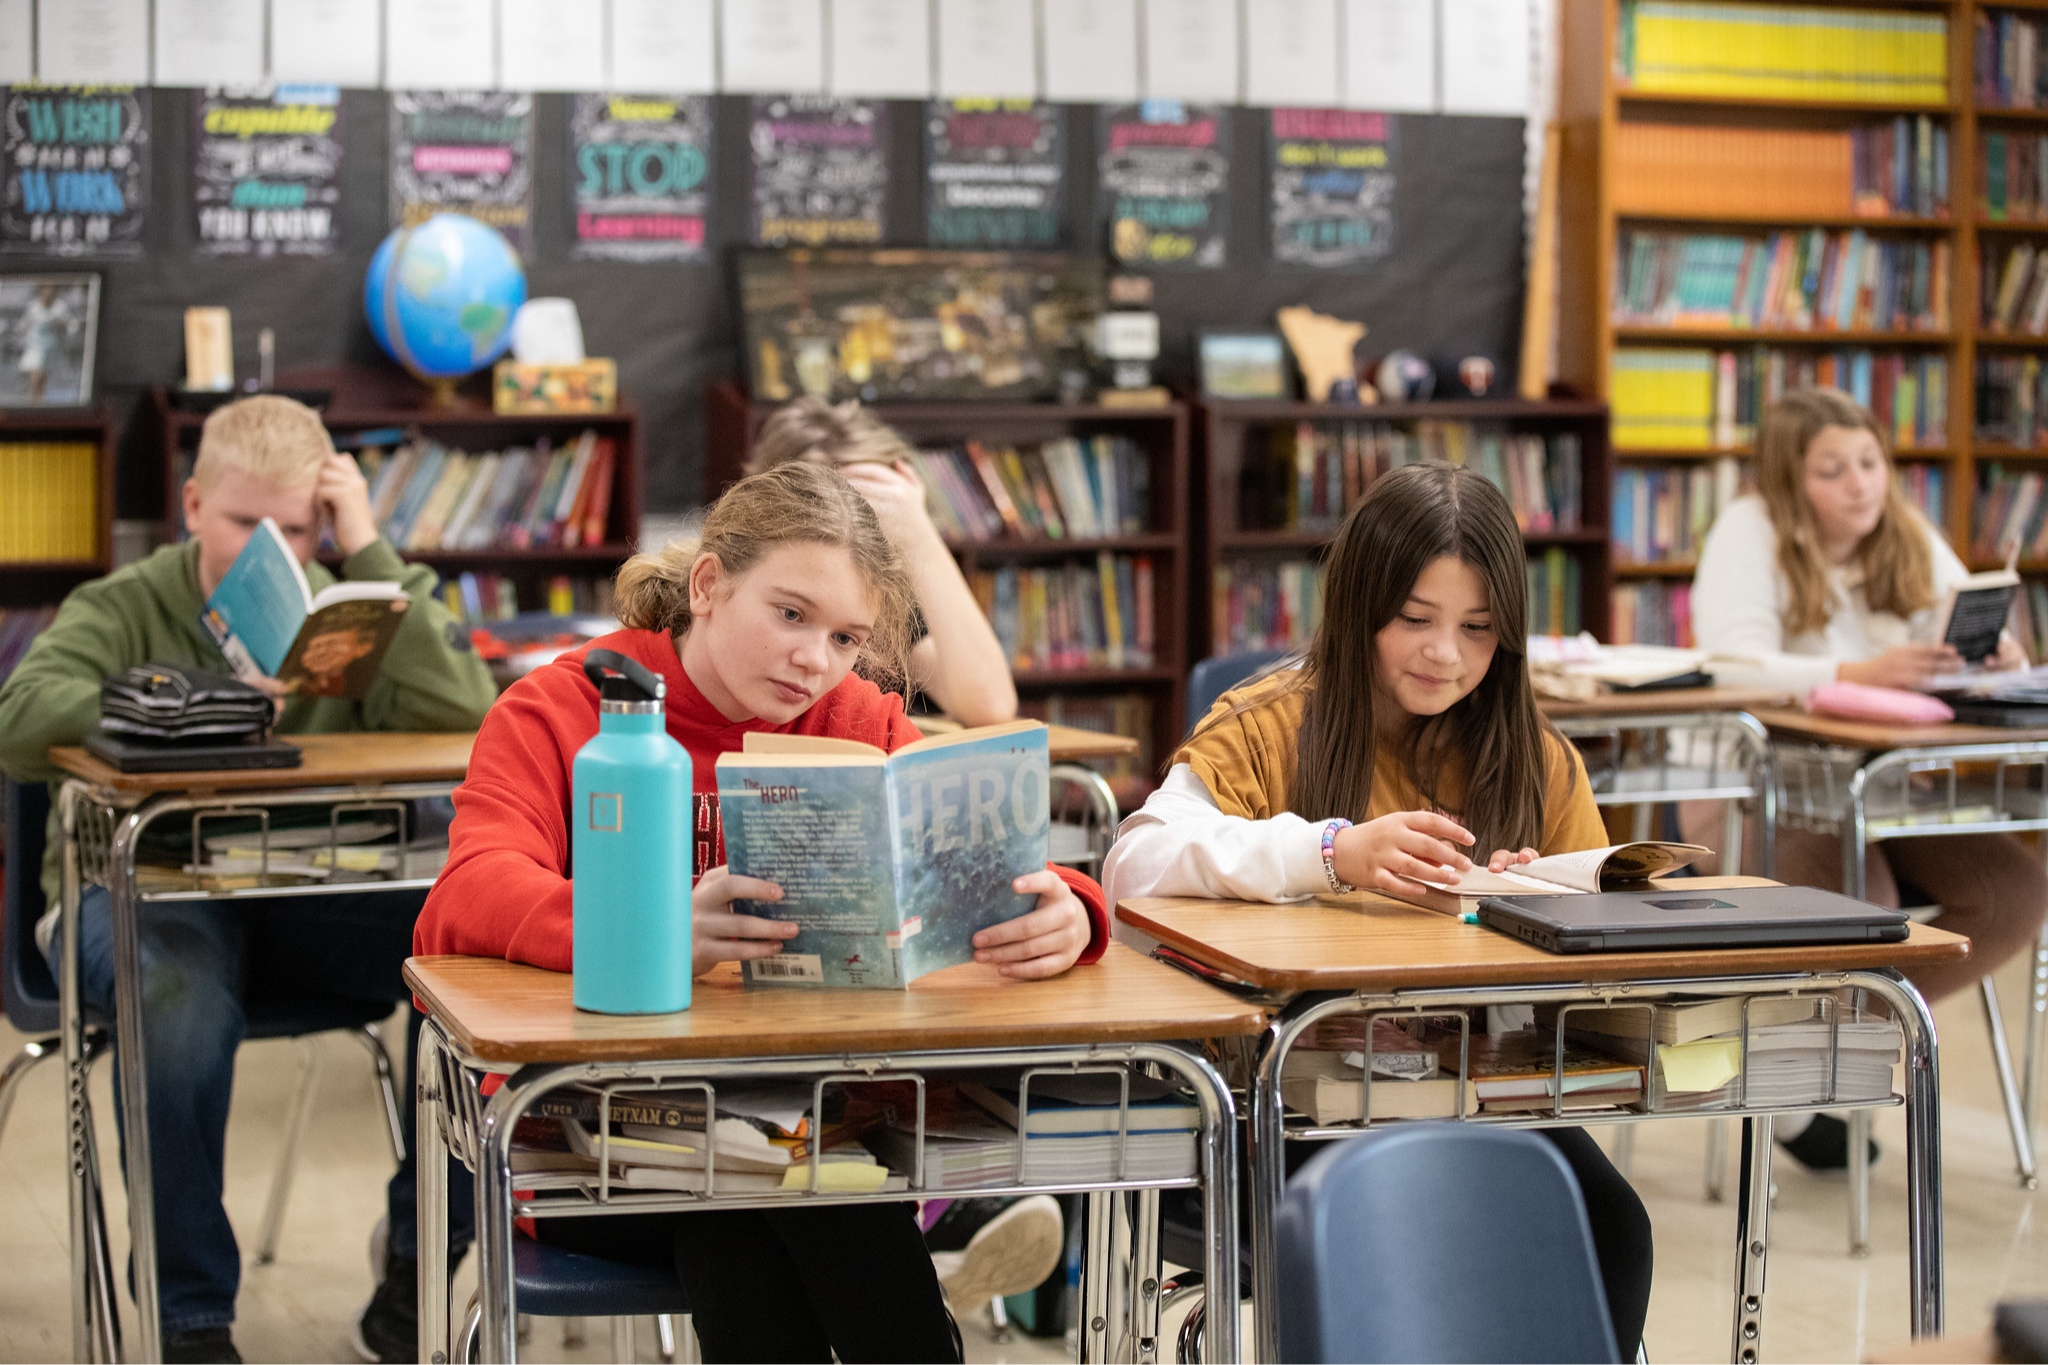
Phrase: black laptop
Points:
(131, 755)
(1655, 918)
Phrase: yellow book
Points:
(1112, 614)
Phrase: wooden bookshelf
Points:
(371, 399)
(732, 421)
(1594, 108)
(1228, 429)
(36, 583)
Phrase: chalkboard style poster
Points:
(1333, 186)
(821, 170)
(266, 171)
(993, 170)
(463, 151)
(1165, 168)
(78, 163)
(642, 167)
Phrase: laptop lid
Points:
(1672, 917)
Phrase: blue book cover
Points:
(890, 863)
(269, 623)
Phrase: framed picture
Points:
(49, 333)
(1243, 365)
(895, 325)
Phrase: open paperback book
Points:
(1586, 871)
(890, 864)
(269, 622)
(1973, 614)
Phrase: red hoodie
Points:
(505, 891)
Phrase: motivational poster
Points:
(993, 170)
(1333, 186)
(821, 170)
(77, 170)
(642, 175)
(463, 151)
(1165, 171)
(266, 171)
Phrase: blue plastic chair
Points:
(552, 1283)
(1218, 673)
(1439, 1242)
(28, 991)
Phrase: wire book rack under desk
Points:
(1914, 793)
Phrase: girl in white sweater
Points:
(1827, 573)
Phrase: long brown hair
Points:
(802, 503)
(1896, 563)
(1408, 519)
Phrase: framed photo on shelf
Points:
(1246, 364)
(49, 333)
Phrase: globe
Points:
(440, 296)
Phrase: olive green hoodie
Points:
(148, 613)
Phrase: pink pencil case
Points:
(1857, 701)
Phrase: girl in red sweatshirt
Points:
(758, 627)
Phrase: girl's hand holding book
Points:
(718, 935)
(1042, 943)
(1414, 844)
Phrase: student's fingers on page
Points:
(1502, 860)
(1440, 826)
(1419, 845)
(1393, 869)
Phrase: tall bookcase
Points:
(1233, 438)
(732, 421)
(366, 399)
(1599, 203)
(44, 582)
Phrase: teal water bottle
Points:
(630, 821)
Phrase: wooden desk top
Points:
(506, 1012)
(1944, 1351)
(1622, 705)
(1368, 942)
(1070, 744)
(1790, 723)
(346, 760)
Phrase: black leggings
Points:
(1620, 1223)
(795, 1284)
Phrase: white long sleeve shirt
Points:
(1739, 598)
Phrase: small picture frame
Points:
(49, 334)
(1243, 364)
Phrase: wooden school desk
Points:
(1871, 782)
(495, 1015)
(1365, 953)
(103, 814)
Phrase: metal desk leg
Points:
(1219, 1212)
(78, 1111)
(1717, 1160)
(1752, 1241)
(496, 1292)
(1269, 1180)
(1854, 844)
(134, 1081)
(1923, 1154)
(1097, 1216)
(2037, 1023)
(1143, 1297)
(2008, 1088)
(430, 1174)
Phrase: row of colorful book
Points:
(2011, 168)
(1555, 590)
(479, 599)
(1309, 475)
(1264, 604)
(1652, 612)
(1800, 281)
(1925, 486)
(429, 497)
(1800, 52)
(1060, 490)
(1078, 615)
(2008, 59)
(1672, 398)
(1131, 777)
(49, 500)
(2014, 289)
(2030, 613)
(1898, 167)
(2012, 400)
(2010, 510)
(1662, 513)
(19, 627)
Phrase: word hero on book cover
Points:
(889, 863)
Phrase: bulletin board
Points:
(1450, 286)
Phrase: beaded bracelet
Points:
(1337, 887)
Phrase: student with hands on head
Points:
(956, 656)
(1405, 743)
(779, 620)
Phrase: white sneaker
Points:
(1010, 1254)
